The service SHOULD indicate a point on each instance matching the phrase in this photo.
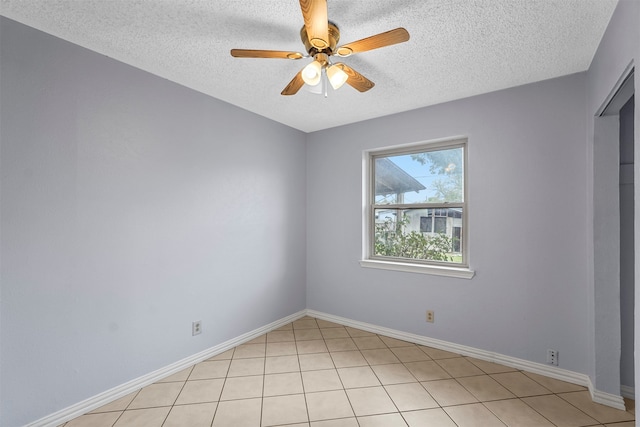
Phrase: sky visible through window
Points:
(420, 173)
(440, 172)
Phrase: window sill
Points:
(437, 270)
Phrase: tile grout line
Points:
(177, 397)
(564, 400)
(553, 394)
(344, 390)
(534, 409)
(126, 408)
(224, 383)
(304, 393)
(264, 373)
(421, 385)
(516, 397)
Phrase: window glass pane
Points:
(420, 234)
(426, 177)
(426, 224)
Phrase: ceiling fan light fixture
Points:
(337, 76)
(321, 87)
(312, 73)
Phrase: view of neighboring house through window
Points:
(417, 204)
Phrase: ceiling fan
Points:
(320, 38)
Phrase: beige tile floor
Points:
(314, 373)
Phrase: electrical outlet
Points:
(552, 357)
(196, 327)
(430, 316)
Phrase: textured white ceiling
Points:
(458, 48)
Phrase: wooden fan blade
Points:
(316, 22)
(357, 80)
(252, 53)
(294, 85)
(388, 38)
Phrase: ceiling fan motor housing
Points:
(334, 38)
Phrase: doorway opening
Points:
(620, 109)
(627, 288)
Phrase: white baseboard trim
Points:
(117, 392)
(628, 392)
(525, 365)
(608, 399)
(88, 405)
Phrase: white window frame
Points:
(369, 260)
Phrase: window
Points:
(416, 205)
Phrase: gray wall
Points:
(619, 47)
(132, 206)
(527, 225)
